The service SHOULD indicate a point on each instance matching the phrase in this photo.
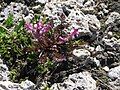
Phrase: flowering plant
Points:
(50, 41)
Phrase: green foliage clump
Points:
(19, 53)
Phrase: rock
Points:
(94, 23)
(114, 26)
(97, 62)
(27, 85)
(81, 53)
(110, 34)
(7, 85)
(42, 1)
(115, 6)
(54, 11)
(109, 42)
(103, 6)
(114, 73)
(106, 68)
(28, 18)
(4, 72)
(102, 10)
(71, 12)
(99, 48)
(1, 61)
(115, 84)
(18, 11)
(112, 17)
(102, 58)
(77, 81)
(79, 20)
(88, 7)
(90, 48)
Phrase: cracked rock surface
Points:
(95, 64)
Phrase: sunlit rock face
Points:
(114, 73)
(77, 81)
(71, 13)
(19, 12)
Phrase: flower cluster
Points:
(38, 29)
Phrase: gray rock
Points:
(115, 84)
(81, 53)
(112, 17)
(7, 85)
(110, 42)
(114, 6)
(90, 48)
(70, 11)
(77, 81)
(114, 73)
(42, 1)
(18, 10)
(97, 62)
(4, 72)
(94, 23)
(99, 49)
(78, 20)
(27, 85)
(106, 68)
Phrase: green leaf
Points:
(9, 21)
(19, 26)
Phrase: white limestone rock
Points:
(81, 53)
(110, 41)
(114, 72)
(110, 34)
(90, 48)
(99, 49)
(4, 72)
(55, 12)
(94, 23)
(77, 81)
(18, 10)
(89, 5)
(78, 20)
(106, 68)
(27, 85)
(7, 85)
(97, 62)
(112, 17)
(42, 1)
(115, 84)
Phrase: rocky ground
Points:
(95, 64)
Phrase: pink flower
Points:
(39, 25)
(29, 26)
(74, 33)
(63, 39)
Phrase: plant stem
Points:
(1, 26)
